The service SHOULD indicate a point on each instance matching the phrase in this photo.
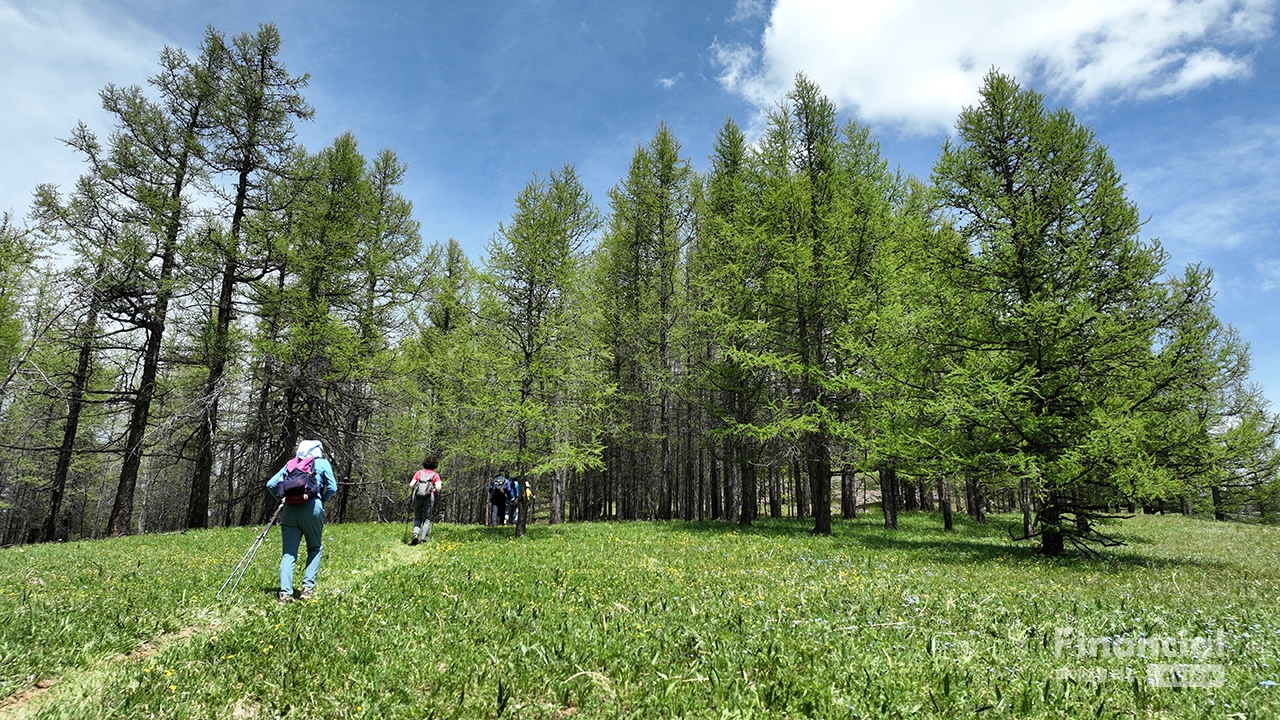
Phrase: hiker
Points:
(498, 489)
(304, 483)
(513, 501)
(422, 489)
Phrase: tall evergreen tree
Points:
(152, 159)
(250, 138)
(1061, 339)
(533, 263)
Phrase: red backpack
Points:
(300, 482)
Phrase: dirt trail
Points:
(17, 701)
(29, 699)
(16, 704)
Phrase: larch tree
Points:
(388, 273)
(1068, 314)
(731, 269)
(533, 263)
(152, 160)
(250, 139)
(641, 255)
(823, 214)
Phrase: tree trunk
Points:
(556, 513)
(198, 503)
(974, 500)
(122, 510)
(1024, 500)
(75, 402)
(802, 493)
(229, 474)
(749, 497)
(944, 499)
(716, 494)
(1219, 512)
(820, 482)
(1051, 537)
(775, 492)
(701, 485)
(911, 501)
(848, 495)
(889, 492)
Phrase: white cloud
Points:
(669, 82)
(1269, 269)
(54, 58)
(744, 10)
(737, 62)
(1219, 193)
(915, 63)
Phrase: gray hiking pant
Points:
(422, 507)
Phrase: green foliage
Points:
(640, 620)
(17, 254)
(532, 284)
(1064, 373)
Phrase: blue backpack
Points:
(300, 482)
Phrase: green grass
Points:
(641, 620)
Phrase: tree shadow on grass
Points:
(450, 532)
(922, 534)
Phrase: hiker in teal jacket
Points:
(305, 519)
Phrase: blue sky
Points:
(477, 96)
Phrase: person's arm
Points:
(414, 480)
(330, 482)
(273, 485)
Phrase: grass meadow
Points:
(648, 620)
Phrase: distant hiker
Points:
(513, 501)
(422, 489)
(304, 483)
(499, 487)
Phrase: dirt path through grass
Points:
(69, 685)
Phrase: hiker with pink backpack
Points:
(303, 484)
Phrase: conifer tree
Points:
(731, 267)
(533, 264)
(641, 257)
(823, 214)
(250, 139)
(152, 158)
(1061, 373)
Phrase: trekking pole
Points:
(238, 573)
(408, 523)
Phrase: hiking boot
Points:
(285, 597)
(308, 592)
(414, 541)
